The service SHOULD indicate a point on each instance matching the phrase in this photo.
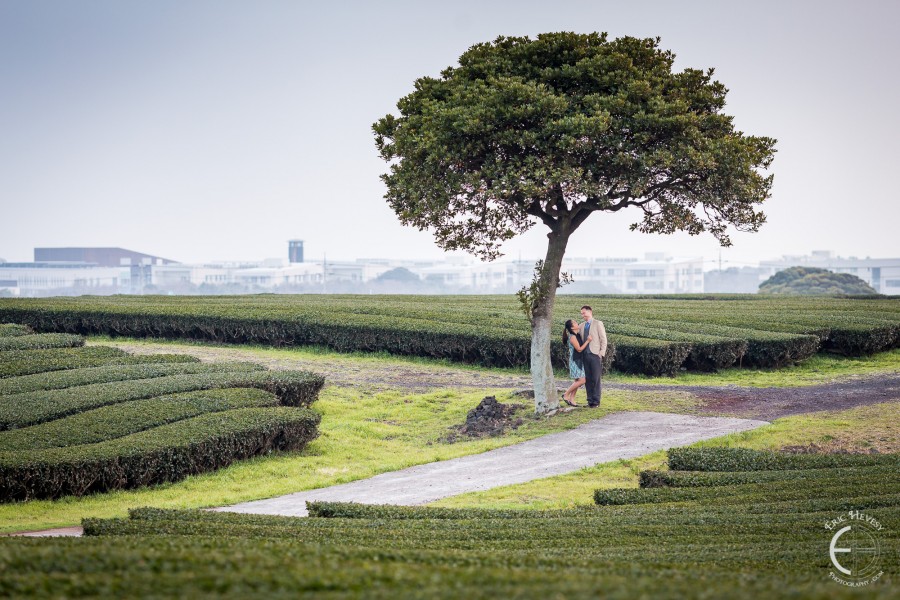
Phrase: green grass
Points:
(857, 428)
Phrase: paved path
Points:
(620, 435)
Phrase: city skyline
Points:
(218, 131)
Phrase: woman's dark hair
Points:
(568, 331)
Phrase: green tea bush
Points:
(40, 340)
(745, 459)
(802, 487)
(651, 335)
(105, 374)
(15, 363)
(293, 388)
(14, 330)
(118, 420)
(653, 478)
(163, 454)
(353, 510)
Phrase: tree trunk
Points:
(546, 398)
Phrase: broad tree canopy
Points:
(550, 130)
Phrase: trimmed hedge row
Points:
(491, 331)
(803, 487)
(650, 357)
(353, 510)
(164, 454)
(40, 340)
(654, 479)
(125, 418)
(15, 363)
(14, 329)
(293, 388)
(57, 380)
(707, 352)
(745, 459)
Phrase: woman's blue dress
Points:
(575, 371)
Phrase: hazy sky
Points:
(202, 130)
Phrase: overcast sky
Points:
(203, 130)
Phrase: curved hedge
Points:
(654, 479)
(745, 459)
(71, 378)
(13, 330)
(15, 363)
(293, 388)
(780, 490)
(163, 454)
(125, 418)
(40, 340)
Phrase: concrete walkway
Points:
(620, 435)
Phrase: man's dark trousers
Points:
(593, 365)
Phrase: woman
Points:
(572, 339)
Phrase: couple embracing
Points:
(587, 347)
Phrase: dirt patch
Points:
(772, 403)
(828, 448)
(347, 372)
(489, 418)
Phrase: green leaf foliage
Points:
(655, 335)
(745, 459)
(293, 388)
(14, 363)
(554, 128)
(14, 330)
(166, 453)
(41, 340)
(812, 281)
(109, 373)
(118, 420)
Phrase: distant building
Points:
(734, 280)
(657, 273)
(116, 270)
(102, 257)
(883, 274)
(33, 278)
(295, 251)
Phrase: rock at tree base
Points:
(488, 419)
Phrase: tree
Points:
(399, 275)
(812, 281)
(555, 129)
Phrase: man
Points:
(593, 331)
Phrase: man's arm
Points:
(601, 335)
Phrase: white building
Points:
(657, 273)
(47, 276)
(138, 273)
(883, 274)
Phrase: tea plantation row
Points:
(75, 420)
(746, 535)
(650, 335)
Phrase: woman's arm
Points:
(574, 340)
